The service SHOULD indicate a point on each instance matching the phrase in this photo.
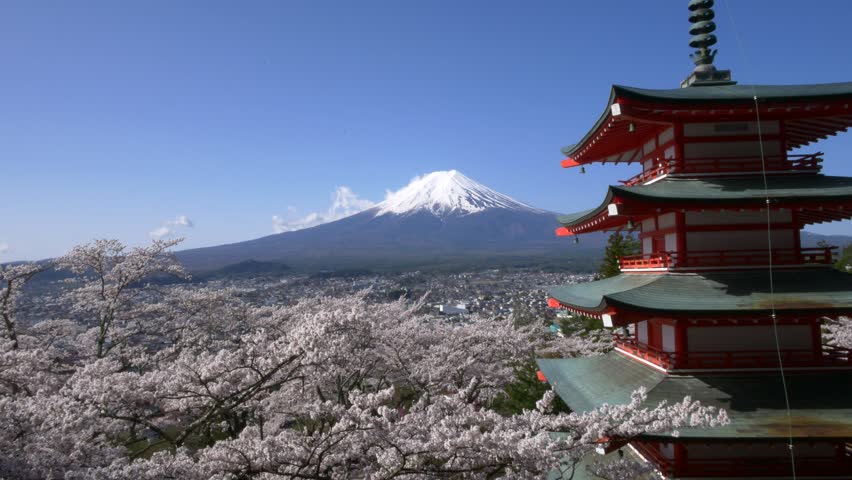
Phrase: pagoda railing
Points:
(665, 464)
(744, 465)
(726, 165)
(829, 356)
(778, 467)
(728, 258)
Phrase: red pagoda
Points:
(723, 304)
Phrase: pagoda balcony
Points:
(829, 355)
(709, 259)
(726, 466)
(808, 163)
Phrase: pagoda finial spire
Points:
(701, 17)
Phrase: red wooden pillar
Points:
(840, 457)
(651, 334)
(655, 333)
(680, 226)
(680, 217)
(680, 459)
(678, 138)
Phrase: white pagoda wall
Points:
(722, 150)
(739, 338)
(739, 239)
(737, 217)
(755, 450)
(642, 332)
(667, 220)
(668, 332)
(647, 245)
(753, 238)
(658, 147)
(696, 147)
(730, 129)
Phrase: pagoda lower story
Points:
(756, 442)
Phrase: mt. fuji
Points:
(437, 219)
(445, 193)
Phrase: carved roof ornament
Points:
(701, 17)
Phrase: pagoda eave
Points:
(616, 314)
(811, 112)
(808, 195)
(742, 294)
(821, 403)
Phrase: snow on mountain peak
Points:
(446, 192)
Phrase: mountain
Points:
(438, 219)
(810, 240)
(249, 268)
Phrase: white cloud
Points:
(344, 203)
(182, 221)
(170, 226)
(160, 232)
(5, 248)
(279, 225)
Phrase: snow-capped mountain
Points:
(439, 218)
(446, 192)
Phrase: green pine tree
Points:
(844, 260)
(618, 245)
(525, 391)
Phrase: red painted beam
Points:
(569, 162)
(563, 232)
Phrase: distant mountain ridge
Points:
(439, 217)
(810, 239)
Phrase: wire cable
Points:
(772, 292)
(769, 248)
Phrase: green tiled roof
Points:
(821, 402)
(570, 218)
(580, 470)
(721, 94)
(736, 93)
(726, 191)
(826, 290)
(591, 294)
(578, 380)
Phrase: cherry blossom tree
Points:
(839, 331)
(192, 382)
(108, 271)
(441, 436)
(12, 279)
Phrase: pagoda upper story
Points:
(710, 170)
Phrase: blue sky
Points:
(120, 118)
